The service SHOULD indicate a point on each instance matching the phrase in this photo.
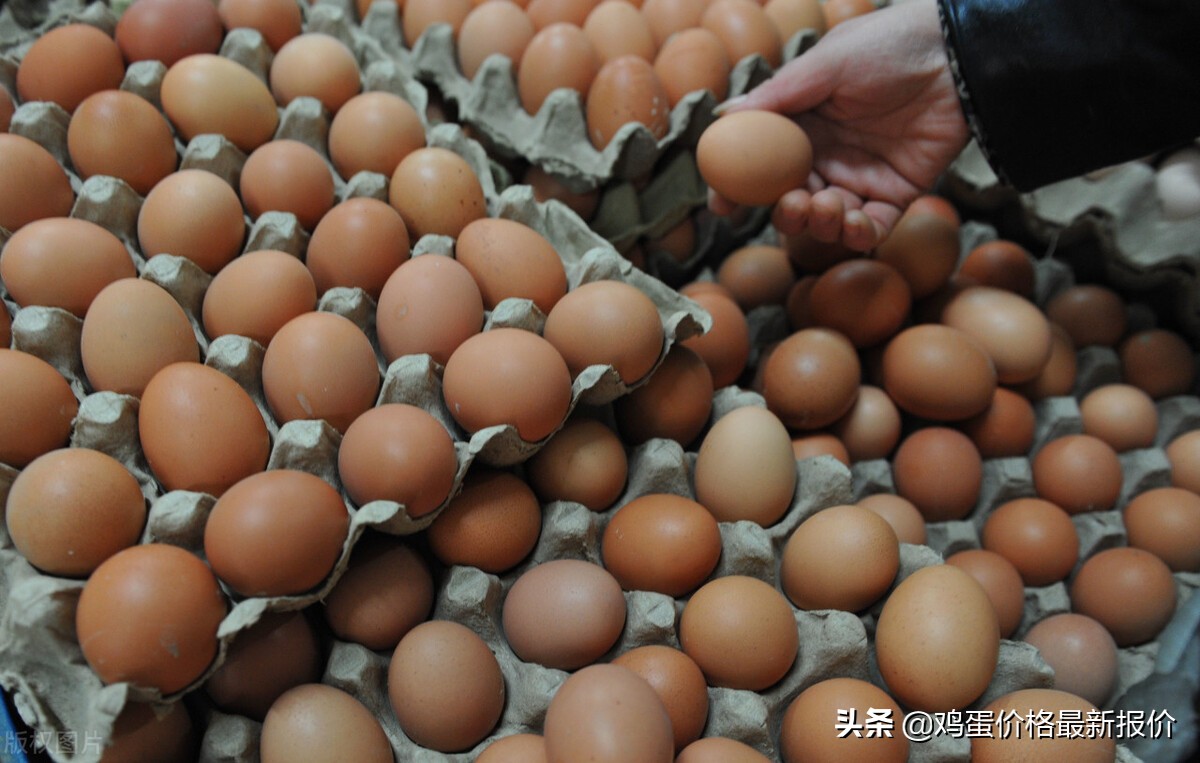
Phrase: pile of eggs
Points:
(259, 479)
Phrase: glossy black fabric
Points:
(1054, 88)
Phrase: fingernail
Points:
(727, 105)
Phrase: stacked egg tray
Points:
(42, 666)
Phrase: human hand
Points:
(876, 97)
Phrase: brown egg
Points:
(200, 431)
(398, 452)
(757, 275)
(1005, 428)
(68, 510)
(900, 513)
(1035, 535)
(493, 523)
(807, 733)
(1121, 415)
(508, 376)
(725, 348)
(745, 469)
(493, 29)
(792, 16)
(1081, 652)
(812, 378)
(618, 28)
(320, 366)
(212, 94)
(277, 20)
(594, 702)
(720, 750)
(547, 186)
(694, 59)
(256, 294)
(740, 631)
(1035, 745)
(6, 109)
(838, 11)
(1079, 473)
(169, 30)
(1010, 329)
(44, 191)
(1000, 580)
(677, 680)
(436, 191)
(626, 89)
(815, 257)
(1091, 314)
(666, 17)
(193, 214)
(132, 330)
(559, 56)
(1159, 362)
(1058, 375)
(867, 300)
(675, 404)
(5, 326)
(517, 748)
(62, 262)
(871, 428)
(1184, 454)
(564, 614)
(149, 615)
(773, 155)
(277, 653)
(924, 247)
(431, 305)
(37, 408)
(509, 259)
(1002, 264)
(318, 66)
(820, 444)
(607, 323)
(276, 533)
(419, 15)
(384, 592)
(141, 733)
(67, 64)
(744, 29)
(445, 686)
(287, 176)
(1166, 522)
(122, 135)
(938, 372)
(584, 463)
(373, 132)
(940, 471)
(937, 639)
(319, 717)
(546, 12)
(358, 243)
(663, 543)
(842, 557)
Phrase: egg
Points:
(1035, 745)
(1080, 651)
(320, 366)
(436, 191)
(1000, 580)
(37, 408)
(256, 294)
(559, 56)
(373, 132)
(142, 732)
(199, 430)
(1011, 330)
(744, 29)
(1091, 314)
(838, 11)
(1183, 453)
(492, 29)
(754, 157)
(509, 259)
(445, 686)
(419, 15)
(745, 469)
(508, 376)
(725, 348)
(287, 176)
(691, 60)
(585, 712)
(67, 64)
(121, 135)
(1002, 264)
(811, 379)
(277, 20)
(666, 17)
(192, 214)
(1159, 362)
(584, 463)
(938, 372)
(68, 510)
(618, 28)
(720, 750)
(792, 16)
(1120, 414)
(429, 305)
(384, 592)
(871, 428)
(810, 733)
(318, 717)
(546, 12)
(674, 404)
(937, 640)
(317, 66)
(607, 323)
(757, 275)
(206, 93)
(1035, 535)
(1058, 375)
(564, 614)
(44, 190)
(516, 748)
(663, 543)
(132, 330)
(820, 444)
(900, 513)
(1166, 522)
(842, 557)
(169, 30)
(357, 244)
(677, 680)
(5, 326)
(626, 89)
(924, 248)
(1005, 429)
(1130, 591)
(1079, 473)
(149, 615)
(867, 300)
(493, 523)
(62, 262)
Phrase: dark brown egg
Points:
(1159, 362)
(1036, 536)
(1131, 592)
(1091, 314)
(940, 471)
(867, 300)
(812, 378)
(169, 30)
(1079, 473)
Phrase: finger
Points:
(800, 85)
(884, 216)
(719, 205)
(859, 232)
(790, 215)
(825, 216)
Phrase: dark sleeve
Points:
(1055, 88)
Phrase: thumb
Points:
(800, 85)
